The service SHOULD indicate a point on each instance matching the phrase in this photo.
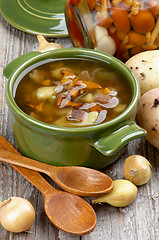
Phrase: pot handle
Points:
(110, 143)
(16, 63)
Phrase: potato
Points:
(146, 69)
(148, 115)
(45, 92)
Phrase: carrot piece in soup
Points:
(106, 91)
(96, 108)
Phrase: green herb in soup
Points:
(73, 93)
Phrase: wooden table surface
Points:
(138, 221)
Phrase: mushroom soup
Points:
(73, 93)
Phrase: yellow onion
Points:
(17, 214)
(123, 193)
(137, 169)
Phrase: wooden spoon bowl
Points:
(80, 181)
(62, 206)
(66, 211)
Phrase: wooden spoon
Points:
(81, 181)
(66, 211)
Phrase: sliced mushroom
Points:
(113, 102)
(87, 106)
(68, 76)
(63, 100)
(101, 117)
(75, 115)
(102, 98)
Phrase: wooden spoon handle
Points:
(19, 160)
(32, 176)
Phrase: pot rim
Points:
(74, 53)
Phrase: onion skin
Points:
(17, 215)
(123, 193)
(137, 169)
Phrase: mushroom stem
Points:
(104, 11)
(148, 37)
(155, 32)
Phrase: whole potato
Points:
(148, 115)
(146, 69)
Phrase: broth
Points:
(73, 93)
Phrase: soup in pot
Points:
(73, 93)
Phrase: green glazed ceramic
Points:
(94, 146)
(44, 17)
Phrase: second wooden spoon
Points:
(80, 181)
(66, 211)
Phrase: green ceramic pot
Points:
(93, 146)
